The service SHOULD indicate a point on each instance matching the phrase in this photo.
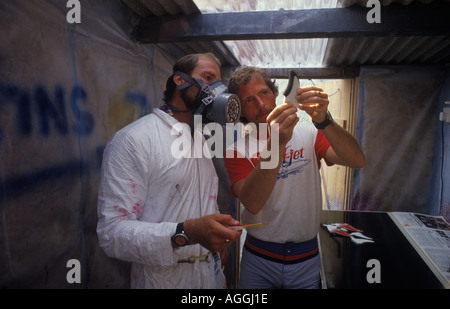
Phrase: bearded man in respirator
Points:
(159, 212)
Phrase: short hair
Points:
(243, 75)
(186, 65)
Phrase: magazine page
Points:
(430, 235)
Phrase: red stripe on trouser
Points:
(279, 256)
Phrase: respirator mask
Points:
(213, 102)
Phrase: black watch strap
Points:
(322, 125)
(180, 239)
(180, 228)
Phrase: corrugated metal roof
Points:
(272, 53)
(390, 50)
(302, 52)
(387, 50)
(347, 3)
(145, 8)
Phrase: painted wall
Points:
(64, 90)
(440, 185)
(400, 133)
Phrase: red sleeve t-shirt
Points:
(238, 168)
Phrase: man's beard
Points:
(189, 100)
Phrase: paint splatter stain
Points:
(137, 208)
(133, 186)
(123, 213)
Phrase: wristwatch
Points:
(180, 239)
(322, 125)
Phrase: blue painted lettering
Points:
(46, 110)
(50, 111)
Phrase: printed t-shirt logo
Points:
(293, 162)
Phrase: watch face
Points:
(180, 240)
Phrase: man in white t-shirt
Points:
(284, 253)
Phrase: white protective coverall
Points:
(144, 192)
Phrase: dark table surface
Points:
(345, 263)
